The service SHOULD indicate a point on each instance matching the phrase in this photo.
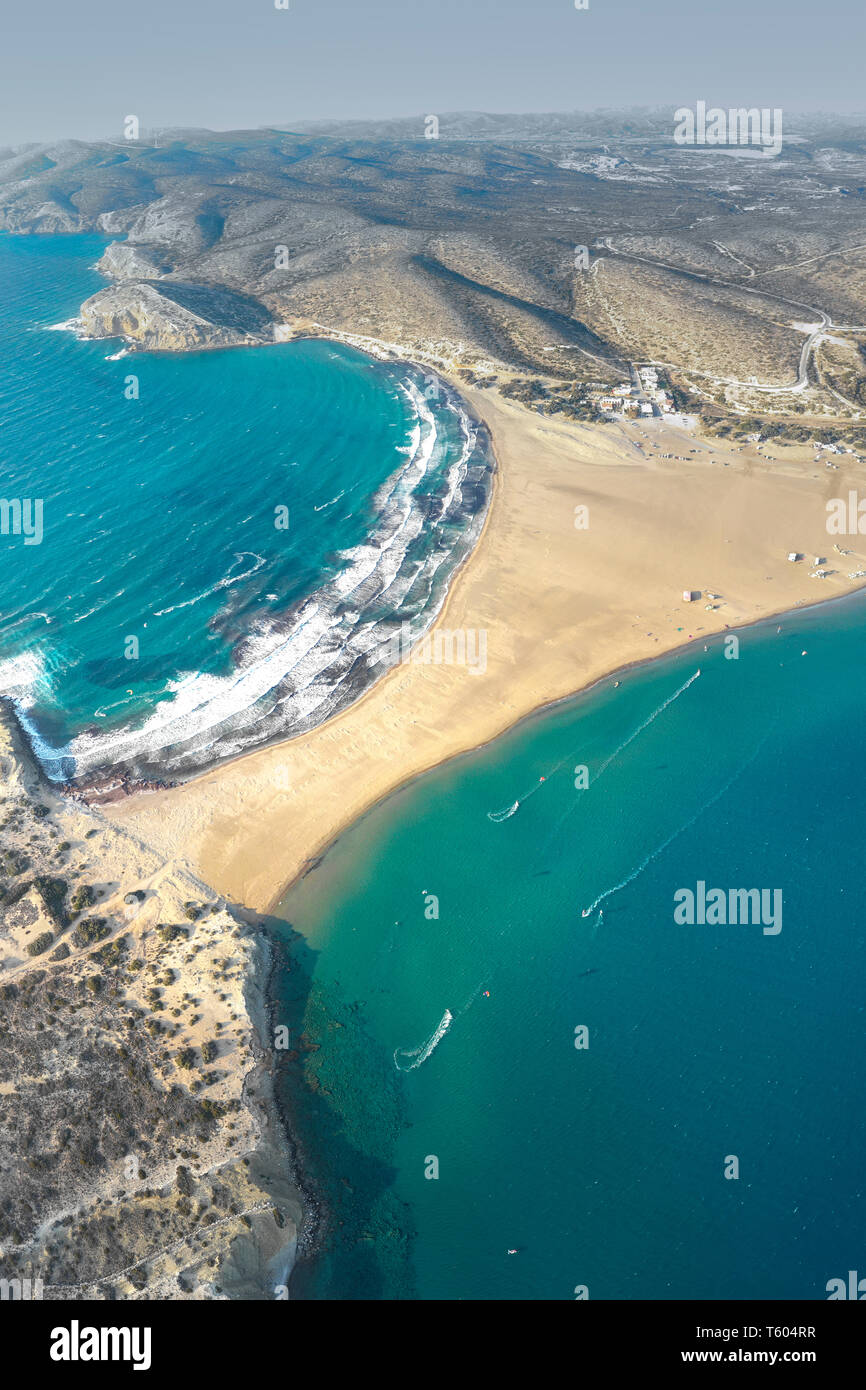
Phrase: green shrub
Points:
(112, 952)
(90, 930)
(13, 862)
(170, 933)
(42, 942)
(82, 898)
(53, 891)
(211, 1110)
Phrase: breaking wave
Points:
(297, 668)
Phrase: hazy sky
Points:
(76, 69)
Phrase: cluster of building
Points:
(641, 397)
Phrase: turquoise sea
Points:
(453, 1038)
(451, 948)
(228, 538)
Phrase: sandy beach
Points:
(562, 603)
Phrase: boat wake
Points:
(224, 583)
(407, 1059)
(323, 505)
(646, 723)
(650, 719)
(499, 816)
(660, 849)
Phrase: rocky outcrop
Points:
(122, 260)
(192, 224)
(46, 217)
(173, 317)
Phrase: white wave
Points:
(10, 626)
(20, 675)
(305, 661)
(89, 614)
(67, 326)
(420, 1054)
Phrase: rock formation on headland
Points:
(174, 317)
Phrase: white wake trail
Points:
(654, 854)
(646, 723)
(499, 816)
(420, 1054)
(616, 752)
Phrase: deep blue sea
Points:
(227, 538)
(452, 1038)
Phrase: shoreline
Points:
(228, 819)
(446, 521)
(539, 712)
(279, 1152)
(236, 840)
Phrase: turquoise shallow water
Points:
(160, 505)
(602, 1166)
(452, 1036)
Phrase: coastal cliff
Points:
(170, 317)
(140, 1146)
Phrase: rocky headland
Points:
(141, 1153)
